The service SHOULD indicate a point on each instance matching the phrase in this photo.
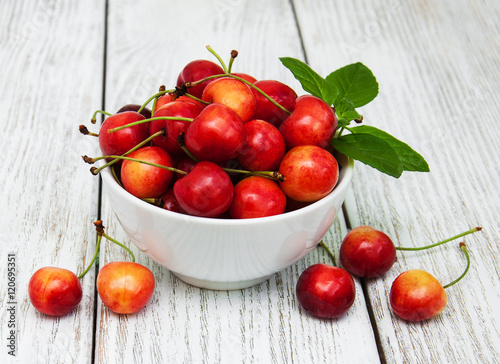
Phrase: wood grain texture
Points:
(51, 78)
(262, 324)
(438, 68)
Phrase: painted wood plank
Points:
(437, 65)
(183, 323)
(51, 79)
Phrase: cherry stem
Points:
(330, 254)
(194, 83)
(143, 121)
(440, 242)
(145, 141)
(100, 233)
(94, 116)
(463, 247)
(197, 99)
(156, 95)
(83, 129)
(274, 175)
(99, 238)
(132, 256)
(219, 58)
(234, 54)
(95, 171)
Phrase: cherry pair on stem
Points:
(124, 287)
(328, 291)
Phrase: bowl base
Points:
(221, 285)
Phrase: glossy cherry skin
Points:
(310, 173)
(143, 180)
(325, 291)
(54, 291)
(245, 76)
(257, 196)
(417, 295)
(167, 98)
(264, 147)
(313, 122)
(233, 93)
(198, 70)
(125, 287)
(169, 202)
(279, 92)
(135, 107)
(367, 252)
(121, 141)
(173, 127)
(206, 191)
(216, 134)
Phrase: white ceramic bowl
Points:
(226, 254)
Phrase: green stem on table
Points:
(330, 254)
(99, 238)
(463, 247)
(119, 244)
(440, 242)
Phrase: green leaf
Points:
(311, 82)
(371, 150)
(345, 110)
(355, 82)
(410, 159)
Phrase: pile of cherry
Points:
(225, 145)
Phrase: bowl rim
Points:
(345, 176)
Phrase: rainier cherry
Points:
(232, 93)
(143, 180)
(54, 291)
(310, 173)
(125, 287)
(417, 295)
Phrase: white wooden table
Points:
(438, 66)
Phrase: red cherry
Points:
(198, 70)
(216, 134)
(54, 291)
(168, 98)
(143, 180)
(367, 252)
(417, 295)
(206, 191)
(310, 173)
(121, 141)
(313, 122)
(233, 93)
(125, 287)
(245, 76)
(257, 196)
(325, 291)
(264, 147)
(170, 203)
(173, 127)
(279, 92)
